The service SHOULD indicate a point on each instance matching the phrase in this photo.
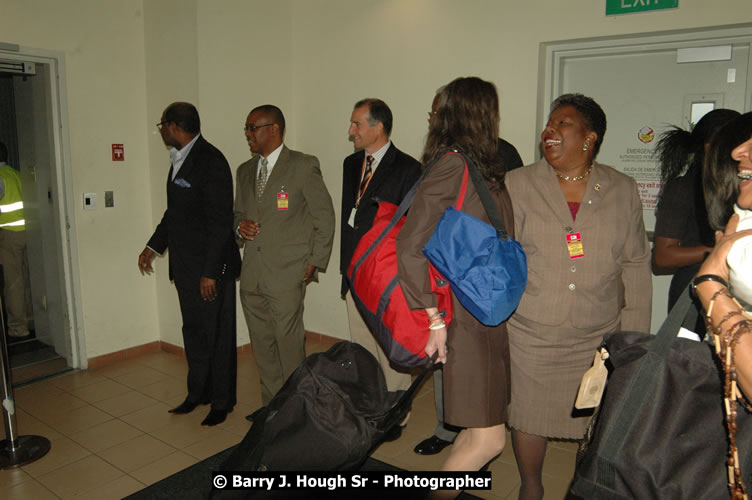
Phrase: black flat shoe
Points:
(431, 446)
(215, 417)
(393, 434)
(255, 415)
(183, 408)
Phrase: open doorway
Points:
(30, 126)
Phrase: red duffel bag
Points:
(376, 290)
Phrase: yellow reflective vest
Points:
(11, 205)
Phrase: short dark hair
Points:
(378, 111)
(3, 152)
(720, 174)
(590, 112)
(274, 113)
(184, 115)
(677, 148)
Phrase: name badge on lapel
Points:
(283, 199)
(574, 246)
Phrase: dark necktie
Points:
(366, 175)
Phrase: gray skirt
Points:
(547, 366)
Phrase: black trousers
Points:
(209, 330)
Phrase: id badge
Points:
(351, 219)
(283, 201)
(574, 246)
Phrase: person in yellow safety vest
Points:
(13, 246)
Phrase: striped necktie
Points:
(366, 175)
(261, 181)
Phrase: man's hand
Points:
(144, 261)
(248, 229)
(208, 288)
(309, 274)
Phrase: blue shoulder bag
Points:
(486, 269)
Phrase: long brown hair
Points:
(467, 118)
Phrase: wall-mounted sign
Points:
(638, 160)
(616, 7)
(118, 152)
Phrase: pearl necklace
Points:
(572, 179)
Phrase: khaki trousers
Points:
(359, 333)
(275, 325)
(12, 258)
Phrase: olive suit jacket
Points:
(297, 221)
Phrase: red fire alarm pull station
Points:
(118, 152)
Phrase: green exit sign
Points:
(616, 7)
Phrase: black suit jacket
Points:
(510, 158)
(393, 178)
(197, 225)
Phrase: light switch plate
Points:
(90, 201)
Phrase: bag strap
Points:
(639, 388)
(402, 209)
(463, 191)
(485, 197)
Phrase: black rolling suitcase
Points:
(327, 417)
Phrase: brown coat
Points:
(570, 303)
(476, 375)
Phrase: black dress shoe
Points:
(431, 446)
(184, 407)
(393, 434)
(255, 415)
(215, 417)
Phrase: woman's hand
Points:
(716, 263)
(437, 342)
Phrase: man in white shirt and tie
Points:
(285, 221)
(376, 171)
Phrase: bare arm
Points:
(668, 254)
(723, 306)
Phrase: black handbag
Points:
(660, 431)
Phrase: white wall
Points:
(127, 59)
(171, 41)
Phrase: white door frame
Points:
(553, 54)
(63, 190)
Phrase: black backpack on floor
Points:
(328, 416)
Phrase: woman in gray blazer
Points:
(580, 224)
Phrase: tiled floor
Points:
(111, 434)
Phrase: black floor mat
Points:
(194, 483)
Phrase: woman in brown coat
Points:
(475, 357)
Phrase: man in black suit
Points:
(204, 260)
(444, 434)
(377, 171)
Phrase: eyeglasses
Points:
(254, 128)
(162, 124)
